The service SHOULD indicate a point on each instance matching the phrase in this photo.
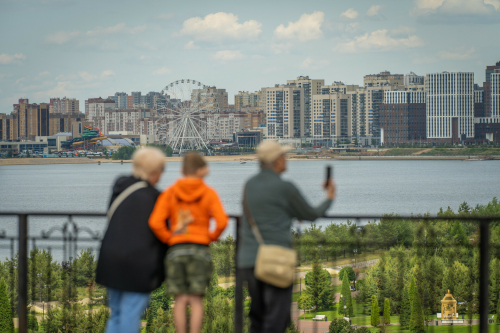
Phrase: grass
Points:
(492, 328)
(462, 152)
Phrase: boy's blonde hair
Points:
(192, 162)
(147, 161)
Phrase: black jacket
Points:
(131, 257)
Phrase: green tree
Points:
(405, 311)
(387, 312)
(6, 322)
(346, 299)
(165, 148)
(350, 273)
(158, 299)
(32, 322)
(292, 328)
(337, 325)
(304, 303)
(375, 315)
(319, 287)
(123, 153)
(417, 313)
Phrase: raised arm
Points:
(301, 208)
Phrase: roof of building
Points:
(120, 142)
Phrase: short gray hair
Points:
(147, 161)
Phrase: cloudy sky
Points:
(82, 49)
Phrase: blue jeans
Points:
(126, 310)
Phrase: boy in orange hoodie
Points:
(188, 205)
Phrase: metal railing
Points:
(70, 234)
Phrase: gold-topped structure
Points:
(448, 307)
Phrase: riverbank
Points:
(245, 158)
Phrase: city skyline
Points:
(83, 52)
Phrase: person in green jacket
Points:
(273, 203)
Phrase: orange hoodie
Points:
(194, 195)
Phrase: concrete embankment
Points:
(45, 161)
(406, 158)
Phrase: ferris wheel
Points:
(184, 125)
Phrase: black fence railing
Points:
(70, 236)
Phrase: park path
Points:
(422, 151)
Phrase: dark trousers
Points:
(270, 305)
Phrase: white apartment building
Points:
(311, 87)
(125, 120)
(404, 97)
(209, 100)
(332, 116)
(221, 126)
(284, 108)
(64, 105)
(245, 99)
(450, 95)
(478, 96)
(413, 78)
(95, 109)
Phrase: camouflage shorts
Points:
(189, 269)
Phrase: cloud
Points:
(373, 11)
(165, 16)
(107, 73)
(228, 55)
(350, 14)
(459, 54)
(220, 26)
(402, 30)
(310, 63)
(190, 46)
(308, 27)
(119, 28)
(6, 59)
(279, 48)
(379, 40)
(161, 71)
(61, 89)
(43, 73)
(20, 80)
(62, 37)
(457, 11)
(86, 76)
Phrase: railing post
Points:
(22, 306)
(238, 292)
(484, 276)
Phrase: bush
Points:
(124, 153)
(363, 330)
(337, 325)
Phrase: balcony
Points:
(352, 241)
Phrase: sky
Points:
(86, 49)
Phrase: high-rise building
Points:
(209, 100)
(120, 99)
(64, 105)
(65, 122)
(450, 105)
(127, 120)
(8, 127)
(95, 111)
(332, 116)
(383, 79)
(32, 120)
(136, 97)
(413, 78)
(284, 109)
(246, 99)
(495, 93)
(402, 117)
(311, 87)
(490, 70)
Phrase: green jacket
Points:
(273, 203)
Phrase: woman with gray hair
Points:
(130, 262)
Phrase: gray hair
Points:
(147, 161)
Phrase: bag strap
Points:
(128, 191)
(250, 219)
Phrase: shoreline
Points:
(246, 158)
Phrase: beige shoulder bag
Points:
(275, 264)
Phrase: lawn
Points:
(492, 328)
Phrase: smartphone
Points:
(329, 171)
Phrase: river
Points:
(363, 187)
